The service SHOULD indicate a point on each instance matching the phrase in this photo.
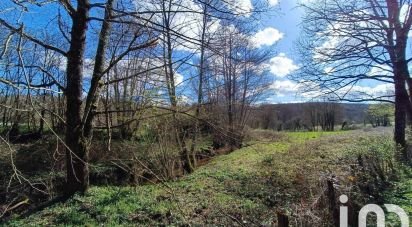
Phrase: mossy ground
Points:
(245, 187)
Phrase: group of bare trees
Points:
(354, 44)
(312, 116)
(71, 67)
(325, 115)
(237, 73)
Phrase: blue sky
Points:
(279, 27)
(287, 20)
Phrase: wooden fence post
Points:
(283, 219)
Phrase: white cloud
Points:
(281, 65)
(378, 90)
(183, 99)
(355, 92)
(328, 70)
(327, 48)
(273, 2)
(309, 90)
(88, 66)
(404, 12)
(178, 79)
(284, 86)
(380, 70)
(266, 37)
(288, 88)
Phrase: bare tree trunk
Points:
(401, 102)
(400, 69)
(96, 85)
(171, 87)
(231, 96)
(77, 151)
(200, 87)
(5, 119)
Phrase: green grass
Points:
(246, 186)
(303, 136)
(400, 194)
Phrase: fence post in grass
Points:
(333, 205)
(283, 219)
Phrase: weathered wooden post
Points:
(283, 219)
(333, 206)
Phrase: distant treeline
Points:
(314, 116)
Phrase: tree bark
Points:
(401, 97)
(397, 54)
(96, 83)
(76, 152)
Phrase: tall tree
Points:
(355, 41)
(79, 116)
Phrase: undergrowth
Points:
(246, 187)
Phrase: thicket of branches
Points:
(84, 70)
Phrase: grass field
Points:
(246, 187)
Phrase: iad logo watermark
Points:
(372, 208)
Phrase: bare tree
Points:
(79, 117)
(238, 78)
(355, 41)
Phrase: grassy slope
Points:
(246, 186)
